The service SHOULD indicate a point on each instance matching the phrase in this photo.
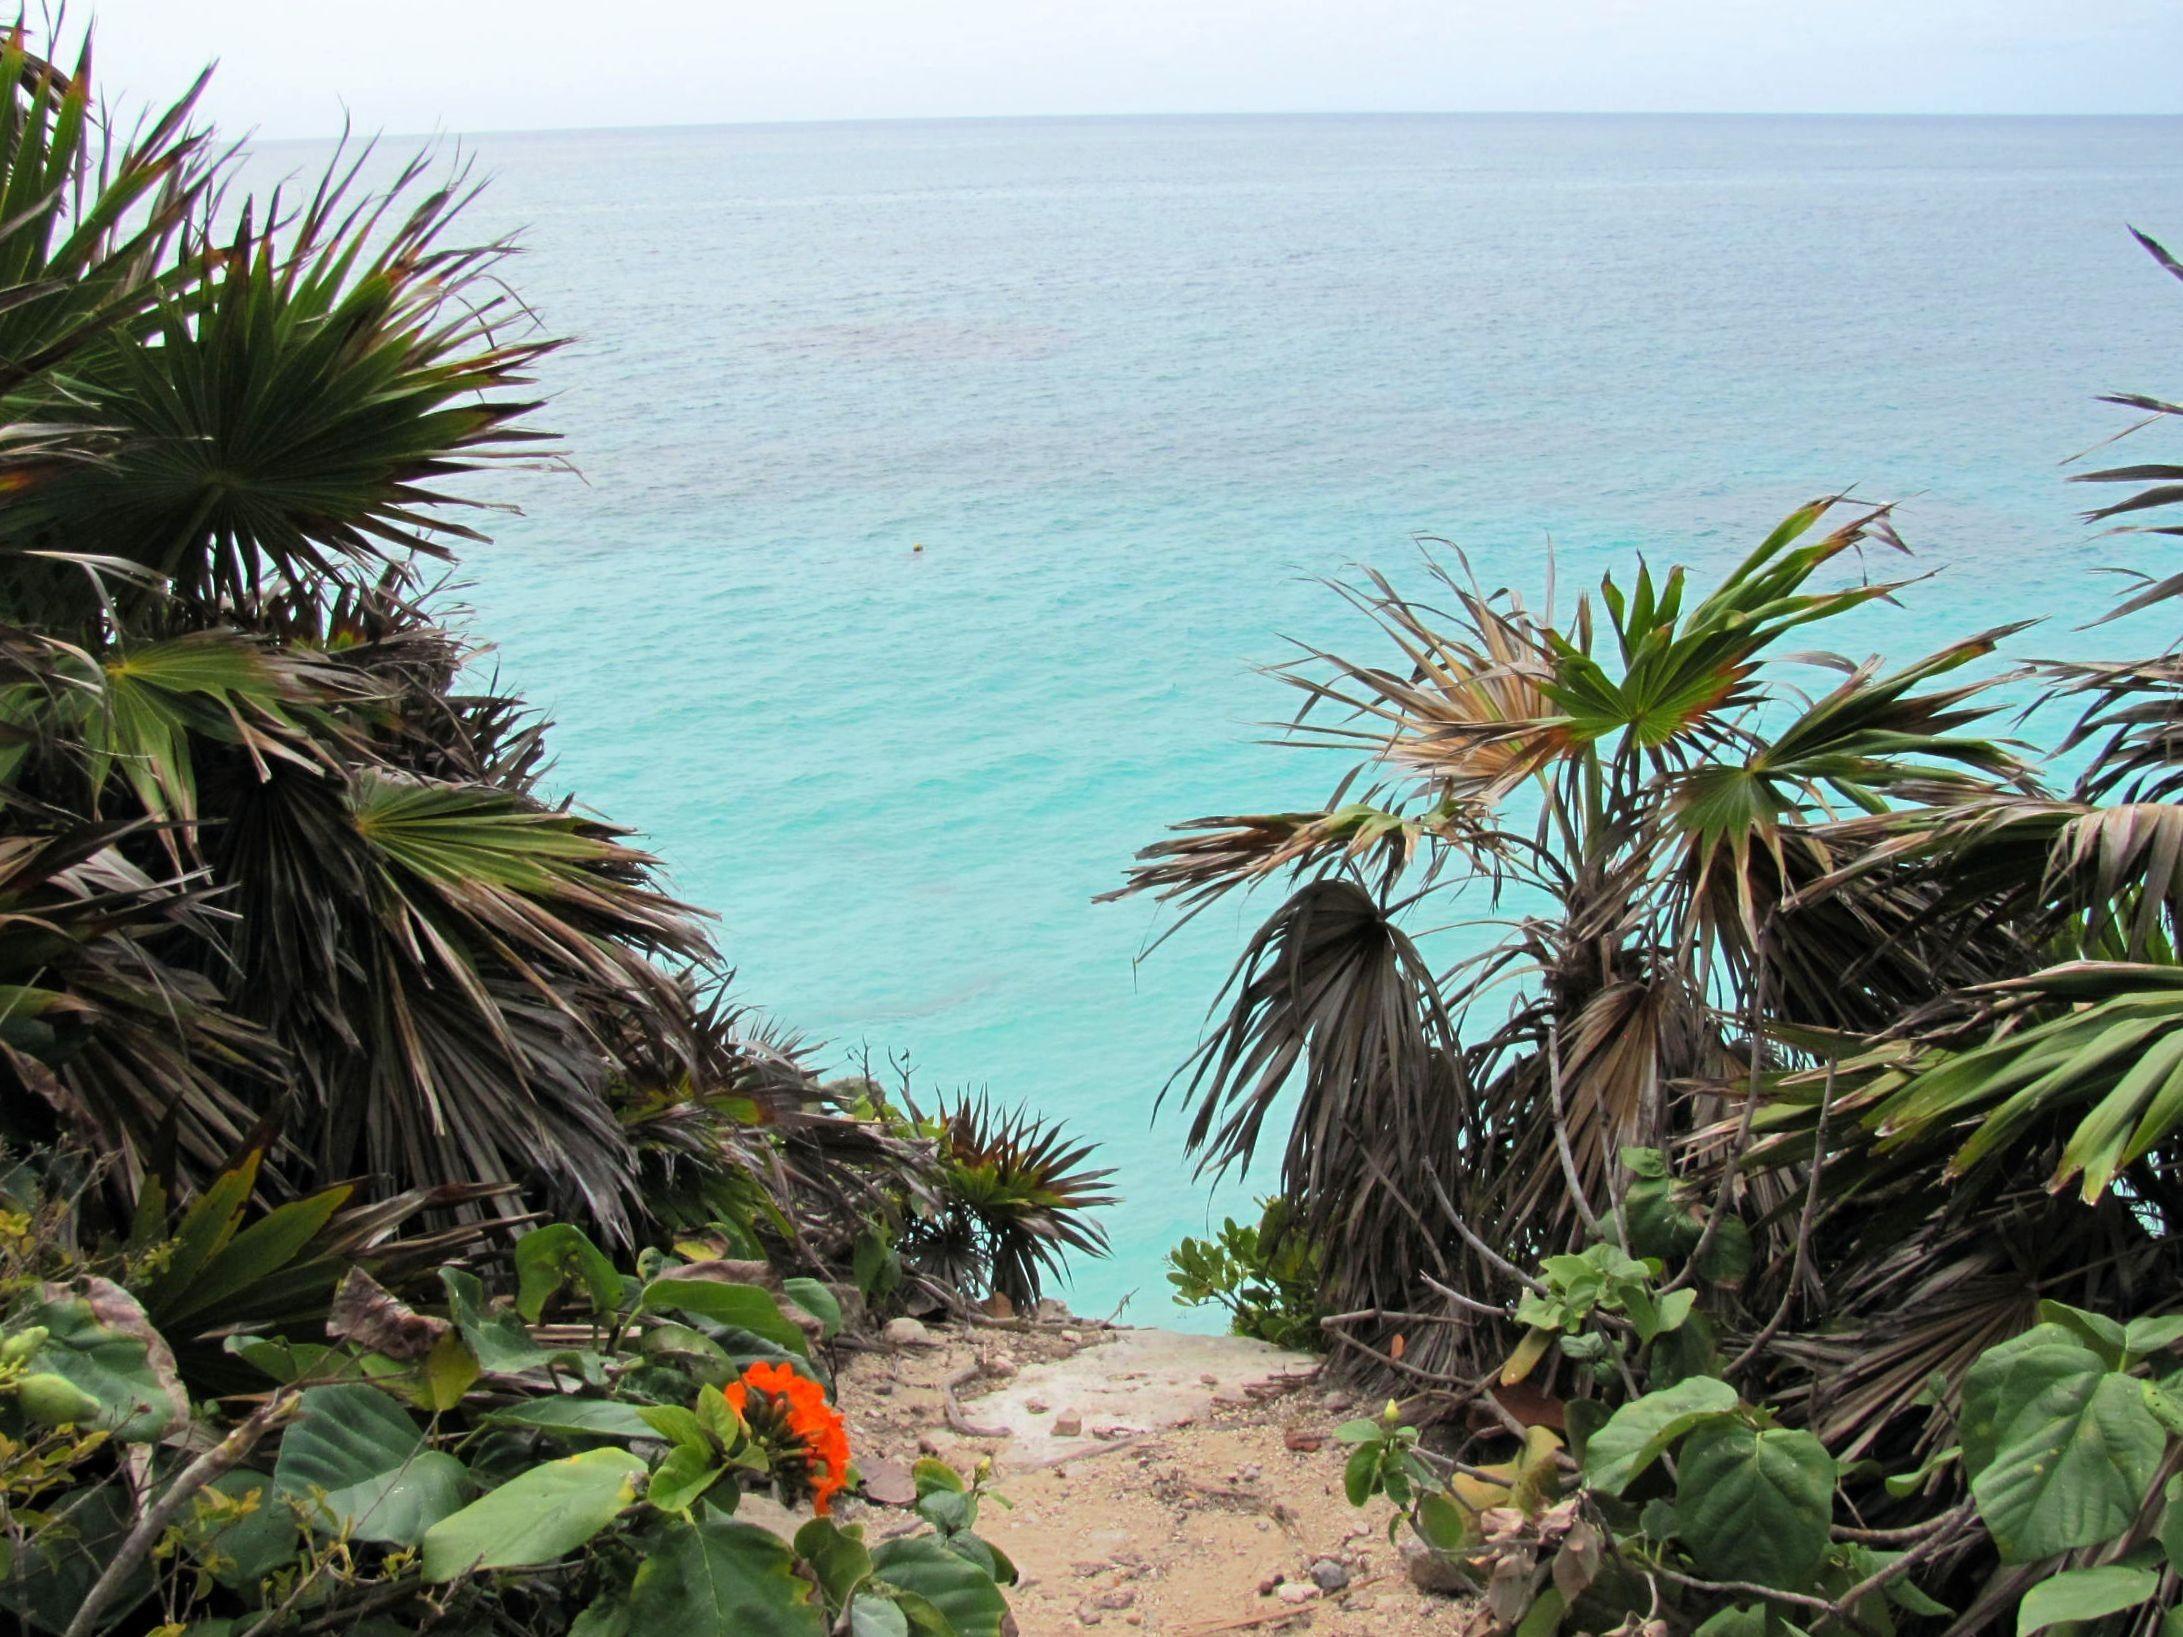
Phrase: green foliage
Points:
(1808, 1038)
(551, 1487)
(1266, 1274)
(1012, 1196)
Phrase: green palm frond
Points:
(1014, 1198)
(299, 406)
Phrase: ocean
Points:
(1132, 385)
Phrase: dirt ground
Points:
(1214, 1526)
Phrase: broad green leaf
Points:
(499, 1339)
(2145, 1337)
(686, 1473)
(399, 1508)
(720, 1578)
(2171, 1525)
(103, 1345)
(816, 1300)
(1443, 1525)
(1639, 1432)
(537, 1516)
(2059, 1448)
(1361, 1472)
(932, 1473)
(558, 1255)
(837, 1556)
(875, 1616)
(746, 1307)
(597, 1417)
(2084, 1594)
(360, 1451)
(2103, 1335)
(967, 1597)
(1755, 1506)
(608, 1616)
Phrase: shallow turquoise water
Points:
(1131, 383)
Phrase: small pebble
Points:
(1328, 1575)
(1298, 1591)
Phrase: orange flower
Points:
(788, 1413)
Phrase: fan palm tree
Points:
(283, 864)
(1646, 794)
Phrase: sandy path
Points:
(1134, 1523)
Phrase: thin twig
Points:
(1561, 1132)
(222, 1458)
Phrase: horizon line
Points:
(250, 139)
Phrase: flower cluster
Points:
(788, 1414)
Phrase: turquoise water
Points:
(1131, 383)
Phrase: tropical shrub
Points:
(461, 1461)
(271, 858)
(1266, 1274)
(1810, 1118)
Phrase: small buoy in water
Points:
(920, 546)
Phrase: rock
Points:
(1210, 1381)
(1068, 1424)
(1298, 1591)
(1303, 1441)
(889, 1483)
(1037, 1406)
(1430, 1572)
(1328, 1575)
(1338, 1402)
(1119, 1598)
(1268, 1586)
(997, 1306)
(997, 1365)
(906, 1332)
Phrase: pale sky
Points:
(289, 67)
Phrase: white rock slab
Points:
(1128, 1383)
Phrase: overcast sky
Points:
(288, 67)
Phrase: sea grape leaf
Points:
(872, 1616)
(2084, 1594)
(379, 1481)
(967, 1597)
(101, 1342)
(399, 1508)
(499, 1339)
(1755, 1505)
(720, 1578)
(588, 1417)
(744, 1307)
(551, 1258)
(686, 1473)
(2059, 1448)
(816, 1300)
(1639, 1432)
(837, 1556)
(536, 1516)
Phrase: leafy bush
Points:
(1746, 1182)
(1687, 1501)
(455, 1461)
(1266, 1274)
